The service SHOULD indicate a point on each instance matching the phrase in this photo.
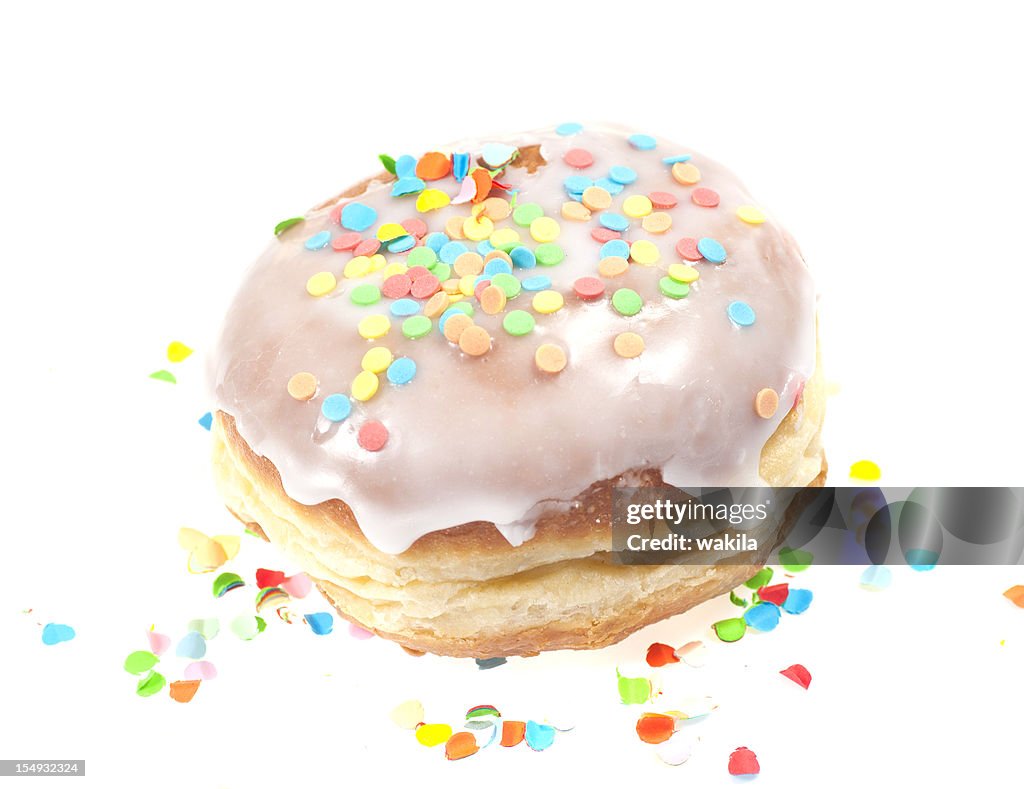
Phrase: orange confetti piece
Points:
(460, 745)
(183, 691)
(483, 182)
(512, 733)
(653, 727)
(661, 655)
(433, 166)
(1015, 594)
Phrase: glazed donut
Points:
(428, 386)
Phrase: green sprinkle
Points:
(365, 295)
(730, 630)
(388, 162)
(164, 375)
(794, 560)
(735, 599)
(225, 582)
(518, 322)
(674, 290)
(549, 254)
(153, 683)
(526, 213)
(284, 224)
(422, 256)
(627, 301)
(465, 307)
(417, 326)
(763, 577)
(207, 628)
(261, 624)
(509, 284)
(442, 271)
(634, 690)
(140, 662)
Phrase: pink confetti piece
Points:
(201, 669)
(158, 642)
(358, 632)
(297, 585)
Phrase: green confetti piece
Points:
(549, 254)
(519, 323)
(164, 375)
(153, 683)
(417, 326)
(464, 306)
(388, 162)
(763, 577)
(442, 271)
(247, 627)
(634, 690)
(795, 560)
(422, 256)
(284, 224)
(261, 624)
(730, 630)
(365, 295)
(524, 214)
(735, 599)
(225, 582)
(627, 301)
(207, 628)
(674, 290)
(755, 598)
(509, 284)
(140, 662)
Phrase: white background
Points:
(149, 149)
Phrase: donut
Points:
(429, 386)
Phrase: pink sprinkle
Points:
(346, 241)
(708, 198)
(603, 234)
(372, 436)
(663, 199)
(686, 248)
(578, 158)
(415, 227)
(367, 247)
(357, 632)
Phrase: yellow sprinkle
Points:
(544, 229)
(389, 231)
(376, 360)
(451, 287)
(466, 285)
(373, 327)
(377, 262)
(637, 206)
(394, 268)
(865, 470)
(685, 173)
(504, 236)
(431, 734)
(577, 212)
(751, 214)
(658, 222)
(358, 266)
(596, 199)
(477, 228)
(365, 385)
(453, 227)
(431, 200)
(321, 284)
(680, 272)
(548, 301)
(178, 352)
(644, 252)
(454, 297)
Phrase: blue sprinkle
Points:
(622, 174)
(407, 186)
(684, 157)
(336, 407)
(403, 308)
(496, 154)
(615, 248)
(357, 217)
(565, 129)
(318, 240)
(539, 736)
(610, 186)
(614, 221)
(741, 313)
(523, 257)
(460, 166)
(577, 183)
(480, 278)
(402, 244)
(540, 282)
(405, 166)
(921, 560)
(577, 196)
(798, 601)
(321, 623)
(193, 645)
(492, 662)
(435, 241)
(450, 251)
(643, 142)
(497, 266)
(402, 370)
(484, 248)
(206, 420)
(54, 633)
(711, 250)
(877, 576)
(763, 616)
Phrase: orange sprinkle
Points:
(613, 266)
(483, 181)
(550, 358)
(450, 286)
(460, 745)
(469, 264)
(184, 690)
(302, 386)
(433, 166)
(437, 304)
(455, 325)
(596, 199)
(1015, 594)
(497, 208)
(658, 222)
(628, 345)
(766, 403)
(453, 227)
(574, 211)
(474, 340)
(685, 173)
(512, 733)
(492, 300)
(653, 727)
(497, 253)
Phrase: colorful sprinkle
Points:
(794, 560)
(539, 282)
(284, 224)
(660, 655)
(663, 199)
(302, 386)
(633, 690)
(763, 616)
(509, 285)
(460, 745)
(568, 129)
(729, 630)
(550, 358)
(225, 582)
(548, 301)
(206, 420)
(417, 326)
(628, 345)
(431, 734)
(687, 249)
(525, 214)
(523, 257)
(627, 301)
(622, 175)
(539, 736)
(865, 470)
(766, 403)
(372, 436)
(672, 288)
(321, 623)
(711, 250)
(318, 240)
(403, 308)
(544, 229)
(336, 407)
(683, 273)
(192, 646)
(595, 198)
(1015, 594)
(575, 212)
(658, 222)
(741, 313)
(518, 323)
(474, 340)
(373, 327)
(588, 288)
(706, 198)
(357, 217)
(612, 267)
(365, 385)
(644, 252)
(613, 221)
(637, 206)
(549, 254)
(743, 761)
(685, 173)
(512, 733)
(643, 142)
(377, 359)
(578, 158)
(408, 715)
(798, 601)
(365, 295)
(799, 674)
(151, 684)
(654, 727)
(751, 214)
(876, 578)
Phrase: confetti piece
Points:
(373, 327)
(401, 371)
(549, 254)
(431, 200)
(876, 578)
(594, 198)
(750, 214)
(657, 222)
(653, 727)
(568, 129)
(763, 616)
(661, 655)
(526, 214)
(795, 560)
(633, 690)
(54, 633)
(164, 375)
(743, 761)
(302, 386)
(318, 240)
(575, 212)
(663, 199)
(359, 633)
(544, 229)
(687, 249)
(644, 252)
(685, 173)
(706, 198)
(762, 577)
(643, 142)
(766, 403)
(512, 733)
(178, 352)
(730, 630)
(627, 302)
(800, 675)
(431, 734)
(365, 295)
(373, 436)
(550, 358)
(201, 669)
(798, 601)
(621, 174)
(151, 684)
(487, 663)
(578, 158)
(206, 420)
(270, 598)
(537, 283)
(539, 736)
(776, 594)
(225, 582)
(636, 206)
(672, 288)
(408, 715)
(158, 642)
(193, 646)
(711, 250)
(693, 654)
(183, 691)
(612, 267)
(267, 578)
(460, 745)
(284, 224)
(628, 344)
(675, 751)
(866, 471)
(474, 340)
(247, 627)
(1015, 594)
(140, 662)
(366, 384)
(321, 623)
(741, 313)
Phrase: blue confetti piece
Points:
(206, 420)
(318, 240)
(407, 186)
(492, 662)
(405, 166)
(451, 251)
(610, 186)
(497, 266)
(523, 257)
(798, 601)
(193, 646)
(484, 248)
(876, 577)
(401, 371)
(615, 248)
(621, 174)
(336, 407)
(643, 142)
(480, 278)
(576, 184)
(55, 634)
(613, 221)
(683, 157)
(495, 154)
(402, 244)
(567, 129)
(576, 196)
(460, 166)
(741, 313)
(321, 623)
(711, 250)
(403, 308)
(357, 217)
(921, 560)
(763, 616)
(539, 282)
(539, 736)
(435, 241)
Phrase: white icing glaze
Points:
(492, 438)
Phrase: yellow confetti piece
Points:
(365, 386)
(865, 470)
(408, 714)
(394, 268)
(477, 228)
(377, 262)
(376, 360)
(751, 214)
(321, 284)
(178, 352)
(431, 200)
(644, 252)
(576, 212)
(389, 231)
(466, 284)
(544, 229)
(658, 222)
(206, 554)
(358, 266)
(637, 206)
(504, 237)
(683, 273)
(548, 301)
(431, 734)
(373, 327)
(685, 173)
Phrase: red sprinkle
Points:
(480, 288)
(426, 286)
(396, 286)
(415, 227)
(416, 272)
(743, 761)
(345, 241)
(661, 655)
(663, 199)
(703, 196)
(588, 287)
(372, 436)
(653, 727)
(800, 675)
(578, 158)
(603, 234)
(335, 215)
(267, 578)
(686, 248)
(774, 594)
(367, 247)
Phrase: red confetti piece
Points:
(743, 761)
(663, 199)
(345, 242)
(372, 436)
(578, 158)
(479, 289)
(603, 234)
(588, 287)
(800, 675)
(416, 272)
(396, 286)
(774, 594)
(426, 286)
(702, 196)
(653, 727)
(660, 655)
(267, 578)
(335, 215)
(415, 227)
(686, 248)
(367, 247)
(500, 185)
